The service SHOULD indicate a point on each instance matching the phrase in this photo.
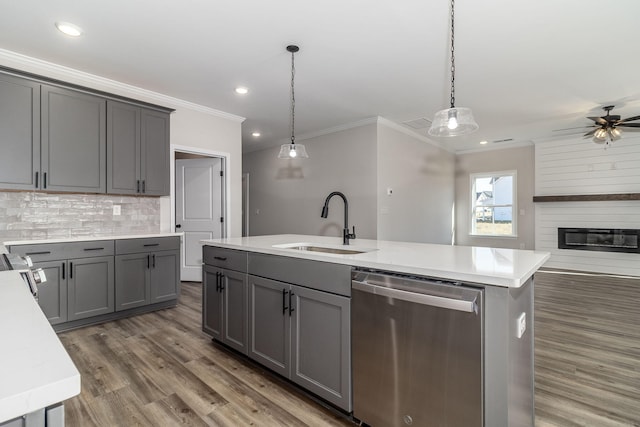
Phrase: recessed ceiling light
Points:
(69, 29)
(256, 134)
(242, 90)
(484, 142)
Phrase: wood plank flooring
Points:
(159, 369)
(587, 350)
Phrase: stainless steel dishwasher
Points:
(417, 348)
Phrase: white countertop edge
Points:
(516, 280)
(90, 238)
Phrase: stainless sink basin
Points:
(327, 250)
(324, 249)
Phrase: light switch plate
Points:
(521, 324)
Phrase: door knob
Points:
(178, 225)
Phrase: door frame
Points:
(226, 196)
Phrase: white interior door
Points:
(199, 210)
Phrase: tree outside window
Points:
(493, 204)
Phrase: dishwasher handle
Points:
(467, 306)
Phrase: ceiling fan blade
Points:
(579, 127)
(629, 119)
(629, 125)
(590, 133)
(598, 120)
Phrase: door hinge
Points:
(221, 219)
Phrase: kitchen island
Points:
(289, 271)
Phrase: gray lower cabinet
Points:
(224, 311)
(90, 287)
(145, 276)
(73, 141)
(137, 150)
(52, 295)
(19, 133)
(304, 335)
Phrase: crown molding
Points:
(395, 126)
(37, 66)
(334, 129)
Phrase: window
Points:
(493, 204)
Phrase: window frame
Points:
(514, 205)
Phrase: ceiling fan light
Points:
(460, 117)
(615, 134)
(600, 134)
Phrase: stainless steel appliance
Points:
(417, 348)
(31, 276)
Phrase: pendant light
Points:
(293, 150)
(453, 121)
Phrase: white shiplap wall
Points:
(579, 166)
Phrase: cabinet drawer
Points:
(225, 258)
(58, 251)
(152, 244)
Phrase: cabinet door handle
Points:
(37, 179)
(44, 181)
(154, 260)
(284, 301)
(217, 281)
(220, 258)
(291, 309)
(144, 185)
(151, 244)
(222, 276)
(94, 249)
(148, 262)
(38, 253)
(137, 186)
(63, 269)
(70, 270)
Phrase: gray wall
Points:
(286, 196)
(421, 176)
(31, 215)
(520, 159)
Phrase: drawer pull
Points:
(151, 244)
(220, 258)
(38, 253)
(94, 249)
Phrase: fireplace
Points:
(599, 239)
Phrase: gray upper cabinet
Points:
(137, 150)
(73, 143)
(19, 133)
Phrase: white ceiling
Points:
(525, 67)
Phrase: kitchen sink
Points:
(325, 249)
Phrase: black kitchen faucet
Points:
(345, 231)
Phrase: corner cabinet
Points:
(297, 312)
(224, 309)
(73, 143)
(137, 150)
(147, 271)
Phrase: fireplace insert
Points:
(599, 239)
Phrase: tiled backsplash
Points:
(30, 215)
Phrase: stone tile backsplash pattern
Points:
(32, 215)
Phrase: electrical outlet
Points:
(521, 324)
(116, 210)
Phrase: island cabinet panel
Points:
(224, 314)
(73, 141)
(19, 133)
(137, 150)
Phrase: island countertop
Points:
(491, 266)
(35, 369)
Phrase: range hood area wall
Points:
(31, 215)
(580, 167)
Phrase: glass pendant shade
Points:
(453, 122)
(293, 151)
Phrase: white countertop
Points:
(89, 238)
(35, 369)
(492, 266)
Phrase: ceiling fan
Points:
(606, 127)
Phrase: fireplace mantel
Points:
(587, 197)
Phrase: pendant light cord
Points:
(453, 58)
(293, 100)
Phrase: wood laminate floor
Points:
(159, 369)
